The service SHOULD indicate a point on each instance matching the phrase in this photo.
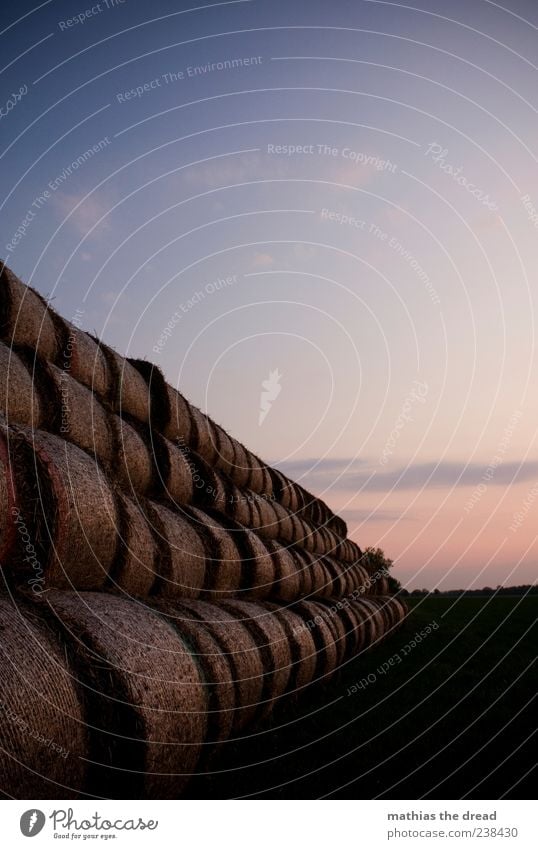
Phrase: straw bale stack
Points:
(177, 586)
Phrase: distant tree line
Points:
(379, 560)
(520, 589)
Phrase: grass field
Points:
(453, 718)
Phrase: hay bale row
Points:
(85, 535)
(104, 696)
(138, 389)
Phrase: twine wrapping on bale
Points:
(218, 678)
(285, 524)
(130, 393)
(203, 435)
(159, 401)
(135, 568)
(240, 472)
(83, 357)
(19, 401)
(243, 655)
(43, 736)
(239, 506)
(274, 648)
(326, 651)
(336, 625)
(265, 520)
(25, 318)
(302, 647)
(76, 415)
(183, 554)
(208, 486)
(9, 510)
(74, 507)
(225, 450)
(145, 698)
(287, 584)
(133, 465)
(223, 568)
(178, 427)
(174, 473)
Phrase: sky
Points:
(320, 220)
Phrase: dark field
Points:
(454, 718)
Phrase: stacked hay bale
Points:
(177, 586)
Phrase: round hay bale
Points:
(43, 736)
(321, 579)
(82, 356)
(310, 536)
(208, 487)
(203, 435)
(358, 635)
(259, 570)
(133, 466)
(303, 561)
(134, 570)
(330, 611)
(359, 580)
(178, 484)
(285, 524)
(238, 506)
(337, 584)
(19, 401)
(178, 429)
(225, 456)
(144, 692)
(223, 569)
(25, 318)
(277, 480)
(240, 472)
(303, 650)
(256, 477)
(243, 656)
(78, 415)
(131, 394)
(366, 611)
(8, 501)
(75, 510)
(218, 677)
(157, 390)
(273, 645)
(287, 583)
(347, 625)
(267, 523)
(183, 554)
(326, 651)
(298, 532)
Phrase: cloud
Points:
(262, 260)
(82, 218)
(375, 515)
(352, 475)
